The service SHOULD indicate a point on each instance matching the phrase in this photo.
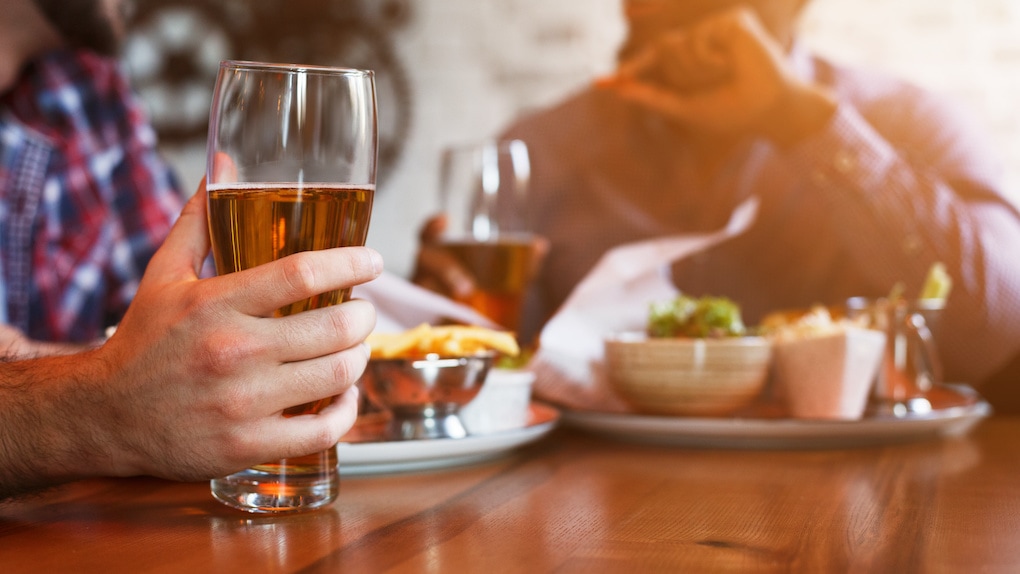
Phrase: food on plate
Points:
(445, 340)
(518, 361)
(687, 376)
(818, 321)
(937, 284)
(823, 365)
(702, 317)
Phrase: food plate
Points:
(780, 433)
(381, 457)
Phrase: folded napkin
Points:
(401, 305)
(614, 297)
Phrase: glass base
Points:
(917, 406)
(427, 423)
(287, 486)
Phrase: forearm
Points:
(44, 440)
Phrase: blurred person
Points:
(194, 382)
(863, 181)
(85, 199)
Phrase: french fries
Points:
(446, 341)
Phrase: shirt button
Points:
(845, 162)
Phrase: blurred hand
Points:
(436, 268)
(16, 345)
(194, 382)
(724, 76)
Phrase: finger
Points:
(224, 169)
(664, 101)
(433, 229)
(708, 45)
(438, 265)
(307, 434)
(642, 63)
(540, 249)
(187, 245)
(319, 332)
(261, 290)
(319, 378)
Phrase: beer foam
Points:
(241, 186)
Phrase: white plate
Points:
(779, 433)
(413, 455)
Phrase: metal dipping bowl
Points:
(425, 395)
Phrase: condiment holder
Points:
(425, 395)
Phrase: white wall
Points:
(475, 65)
(968, 49)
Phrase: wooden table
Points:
(570, 503)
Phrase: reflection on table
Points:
(570, 502)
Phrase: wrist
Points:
(47, 426)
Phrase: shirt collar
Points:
(803, 63)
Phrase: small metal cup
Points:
(910, 367)
(424, 396)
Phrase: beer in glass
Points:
(291, 167)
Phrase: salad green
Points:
(701, 317)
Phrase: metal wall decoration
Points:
(174, 48)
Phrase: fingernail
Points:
(367, 349)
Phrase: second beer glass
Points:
(484, 194)
(291, 167)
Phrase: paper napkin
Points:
(614, 297)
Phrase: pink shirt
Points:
(898, 180)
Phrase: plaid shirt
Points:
(84, 198)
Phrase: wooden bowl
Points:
(682, 376)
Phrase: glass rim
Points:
(496, 142)
(281, 67)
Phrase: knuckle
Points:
(324, 437)
(222, 354)
(343, 371)
(235, 405)
(348, 369)
(237, 446)
(353, 320)
(342, 319)
(358, 262)
(299, 274)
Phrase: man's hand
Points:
(436, 268)
(724, 76)
(194, 382)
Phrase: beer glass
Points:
(484, 194)
(291, 167)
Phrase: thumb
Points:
(183, 252)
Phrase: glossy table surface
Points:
(572, 502)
